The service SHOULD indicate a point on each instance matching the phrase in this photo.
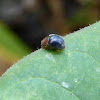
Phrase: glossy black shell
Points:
(56, 42)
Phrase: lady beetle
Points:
(53, 41)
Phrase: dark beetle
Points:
(53, 41)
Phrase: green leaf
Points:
(11, 43)
(72, 74)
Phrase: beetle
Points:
(53, 41)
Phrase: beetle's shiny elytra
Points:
(53, 41)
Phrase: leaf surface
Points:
(72, 74)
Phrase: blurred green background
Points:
(24, 23)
